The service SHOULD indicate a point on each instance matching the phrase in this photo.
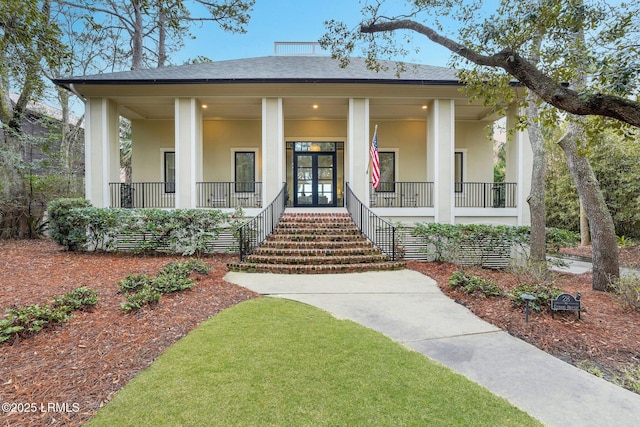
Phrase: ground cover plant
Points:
(276, 362)
(142, 289)
(23, 321)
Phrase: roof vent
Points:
(298, 49)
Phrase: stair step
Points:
(315, 237)
(317, 260)
(315, 269)
(314, 243)
(315, 252)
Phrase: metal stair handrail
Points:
(255, 231)
(379, 231)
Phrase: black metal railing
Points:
(229, 194)
(486, 194)
(162, 194)
(402, 195)
(142, 195)
(252, 233)
(379, 231)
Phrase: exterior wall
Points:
(471, 138)
(315, 129)
(221, 138)
(149, 139)
(408, 139)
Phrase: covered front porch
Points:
(224, 152)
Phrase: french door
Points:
(314, 179)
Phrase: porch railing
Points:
(142, 195)
(162, 194)
(379, 231)
(229, 194)
(252, 233)
(486, 194)
(402, 195)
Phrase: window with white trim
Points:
(169, 171)
(458, 166)
(387, 171)
(244, 166)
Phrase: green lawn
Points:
(270, 361)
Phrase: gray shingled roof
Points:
(274, 69)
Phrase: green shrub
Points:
(77, 299)
(442, 242)
(474, 285)
(145, 295)
(185, 231)
(29, 319)
(141, 289)
(628, 289)
(557, 238)
(543, 294)
(134, 282)
(65, 229)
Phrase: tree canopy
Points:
(490, 41)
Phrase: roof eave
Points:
(67, 82)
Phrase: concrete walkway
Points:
(408, 307)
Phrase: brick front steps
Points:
(314, 243)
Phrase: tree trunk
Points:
(585, 237)
(162, 39)
(605, 246)
(137, 36)
(538, 175)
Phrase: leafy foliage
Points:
(141, 289)
(185, 231)
(143, 296)
(543, 293)
(65, 229)
(628, 289)
(474, 285)
(614, 161)
(26, 320)
(77, 299)
(443, 241)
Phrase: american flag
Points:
(375, 160)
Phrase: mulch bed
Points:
(79, 365)
(606, 338)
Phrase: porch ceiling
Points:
(250, 108)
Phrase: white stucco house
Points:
(232, 133)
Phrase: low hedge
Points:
(443, 241)
(77, 226)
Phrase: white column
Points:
(188, 146)
(102, 150)
(357, 150)
(440, 155)
(519, 165)
(272, 148)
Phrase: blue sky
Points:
(287, 21)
